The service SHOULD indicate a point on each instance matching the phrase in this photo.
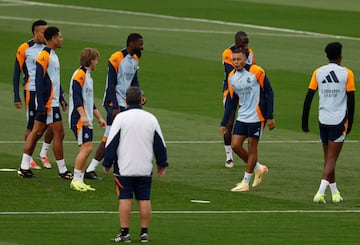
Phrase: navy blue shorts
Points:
(83, 134)
(335, 133)
(109, 114)
(30, 101)
(52, 116)
(128, 186)
(253, 130)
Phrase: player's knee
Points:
(59, 135)
(38, 134)
(87, 148)
(235, 145)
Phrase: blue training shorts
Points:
(129, 186)
(30, 101)
(109, 114)
(50, 117)
(253, 130)
(335, 133)
(83, 134)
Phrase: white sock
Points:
(25, 161)
(333, 188)
(323, 186)
(257, 166)
(247, 177)
(61, 166)
(92, 166)
(78, 175)
(228, 152)
(44, 149)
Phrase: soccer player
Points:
(135, 138)
(242, 42)
(336, 114)
(82, 110)
(47, 80)
(25, 62)
(122, 73)
(249, 92)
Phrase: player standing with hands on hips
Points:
(135, 138)
(336, 114)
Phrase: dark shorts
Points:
(83, 134)
(335, 133)
(109, 114)
(30, 102)
(253, 130)
(127, 187)
(50, 117)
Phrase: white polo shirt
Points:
(135, 138)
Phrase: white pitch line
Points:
(187, 212)
(153, 28)
(198, 20)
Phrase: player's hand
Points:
(41, 111)
(102, 123)
(223, 130)
(18, 105)
(161, 171)
(106, 170)
(305, 128)
(271, 123)
(85, 121)
(348, 130)
(64, 105)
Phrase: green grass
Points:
(181, 74)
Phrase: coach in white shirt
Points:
(134, 139)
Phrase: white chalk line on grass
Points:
(154, 28)
(198, 20)
(187, 212)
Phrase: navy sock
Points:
(124, 231)
(144, 230)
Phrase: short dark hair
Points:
(240, 34)
(133, 95)
(38, 23)
(51, 32)
(133, 37)
(333, 50)
(239, 51)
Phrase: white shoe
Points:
(259, 174)
(45, 161)
(34, 165)
(241, 187)
(229, 163)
